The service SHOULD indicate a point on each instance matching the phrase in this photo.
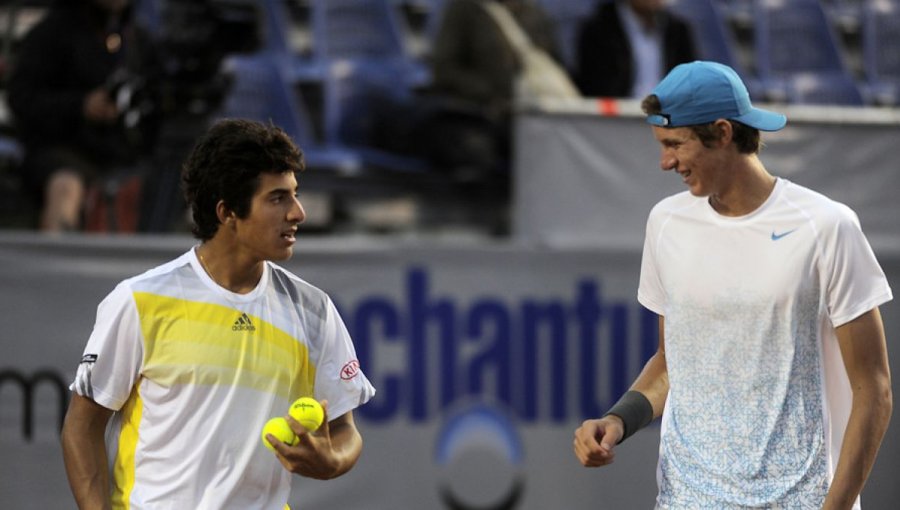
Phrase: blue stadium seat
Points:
(797, 54)
(793, 37)
(356, 29)
(569, 8)
(11, 151)
(822, 89)
(881, 50)
(431, 14)
(734, 6)
(275, 21)
(845, 14)
(711, 35)
(435, 14)
(363, 29)
(328, 100)
(568, 16)
(262, 90)
(147, 14)
(259, 92)
(362, 103)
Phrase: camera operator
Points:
(66, 94)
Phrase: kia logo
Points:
(350, 370)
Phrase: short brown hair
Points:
(225, 164)
(747, 139)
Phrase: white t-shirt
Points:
(759, 396)
(194, 371)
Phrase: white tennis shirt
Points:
(194, 372)
(759, 397)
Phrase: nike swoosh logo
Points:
(776, 237)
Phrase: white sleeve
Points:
(112, 359)
(339, 378)
(651, 293)
(854, 281)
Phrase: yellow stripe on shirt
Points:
(188, 342)
(123, 465)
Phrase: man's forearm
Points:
(84, 454)
(865, 430)
(653, 381)
(348, 443)
(88, 476)
(864, 352)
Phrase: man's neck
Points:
(228, 267)
(748, 189)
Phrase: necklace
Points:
(203, 263)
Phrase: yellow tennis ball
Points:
(308, 412)
(279, 428)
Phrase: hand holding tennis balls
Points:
(279, 428)
(308, 412)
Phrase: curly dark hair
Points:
(225, 164)
(747, 139)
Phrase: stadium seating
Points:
(148, 15)
(711, 35)
(356, 29)
(331, 100)
(797, 54)
(823, 89)
(16, 206)
(794, 36)
(714, 38)
(259, 91)
(262, 90)
(568, 16)
(435, 11)
(364, 106)
(881, 51)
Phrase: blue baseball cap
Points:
(702, 92)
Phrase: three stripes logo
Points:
(243, 323)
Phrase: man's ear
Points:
(725, 130)
(224, 214)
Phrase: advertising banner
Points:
(586, 179)
(485, 361)
(485, 358)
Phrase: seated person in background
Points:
(474, 64)
(473, 60)
(62, 98)
(627, 46)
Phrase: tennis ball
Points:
(279, 428)
(308, 412)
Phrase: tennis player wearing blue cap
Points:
(771, 375)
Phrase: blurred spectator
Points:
(474, 68)
(473, 60)
(63, 91)
(627, 46)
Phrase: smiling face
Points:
(700, 167)
(268, 232)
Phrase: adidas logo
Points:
(243, 323)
